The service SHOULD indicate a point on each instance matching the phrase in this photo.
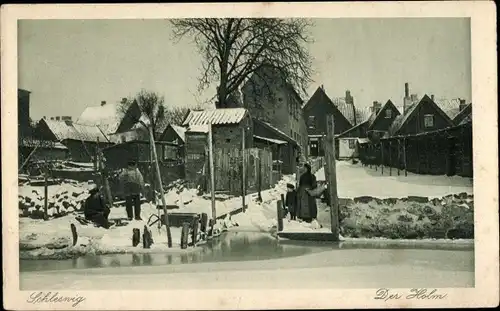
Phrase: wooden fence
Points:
(443, 152)
(228, 167)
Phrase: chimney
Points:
(103, 103)
(58, 118)
(376, 106)
(462, 104)
(52, 118)
(322, 87)
(413, 98)
(407, 90)
(124, 100)
(432, 97)
(44, 117)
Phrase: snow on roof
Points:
(199, 128)
(181, 131)
(401, 119)
(107, 117)
(41, 144)
(215, 116)
(271, 140)
(68, 130)
(449, 106)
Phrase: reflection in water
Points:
(136, 260)
(232, 246)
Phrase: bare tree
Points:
(176, 115)
(233, 49)
(151, 106)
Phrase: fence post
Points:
(212, 171)
(399, 155)
(390, 158)
(332, 176)
(185, 234)
(404, 156)
(243, 168)
(279, 212)
(46, 194)
(382, 156)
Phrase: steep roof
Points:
(107, 117)
(68, 130)
(374, 116)
(181, 131)
(449, 106)
(400, 120)
(217, 116)
(340, 103)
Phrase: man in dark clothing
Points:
(96, 210)
(291, 201)
(132, 184)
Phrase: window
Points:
(428, 120)
(351, 144)
(312, 122)
(388, 113)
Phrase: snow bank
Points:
(355, 180)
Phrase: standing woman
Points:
(307, 208)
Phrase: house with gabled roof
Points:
(315, 111)
(111, 118)
(419, 117)
(375, 126)
(81, 140)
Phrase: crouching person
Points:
(291, 201)
(96, 210)
(132, 184)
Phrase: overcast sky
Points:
(71, 64)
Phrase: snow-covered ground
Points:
(42, 239)
(354, 180)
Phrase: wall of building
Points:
(319, 111)
(416, 124)
(23, 112)
(382, 123)
(82, 151)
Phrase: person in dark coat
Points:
(95, 209)
(308, 210)
(291, 201)
(132, 184)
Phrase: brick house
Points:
(315, 111)
(269, 98)
(419, 117)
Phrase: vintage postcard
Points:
(250, 156)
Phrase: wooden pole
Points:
(160, 186)
(332, 176)
(390, 158)
(404, 156)
(46, 194)
(212, 171)
(399, 155)
(243, 168)
(279, 212)
(382, 156)
(152, 178)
